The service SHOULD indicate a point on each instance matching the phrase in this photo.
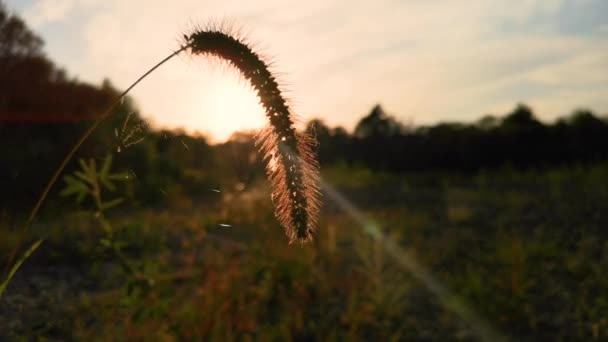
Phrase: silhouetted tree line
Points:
(42, 113)
(33, 87)
(518, 140)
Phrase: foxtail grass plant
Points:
(291, 166)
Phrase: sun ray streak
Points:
(407, 261)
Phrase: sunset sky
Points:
(424, 60)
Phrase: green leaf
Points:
(110, 204)
(70, 180)
(93, 168)
(84, 177)
(83, 165)
(73, 186)
(109, 185)
(80, 197)
(18, 264)
(107, 164)
(122, 176)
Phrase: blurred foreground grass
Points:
(527, 251)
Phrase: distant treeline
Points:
(518, 140)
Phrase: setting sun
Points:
(227, 105)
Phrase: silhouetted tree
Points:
(586, 136)
(16, 39)
(521, 116)
(378, 124)
(488, 122)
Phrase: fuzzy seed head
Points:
(291, 166)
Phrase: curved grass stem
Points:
(34, 212)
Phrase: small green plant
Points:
(90, 183)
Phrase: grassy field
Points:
(502, 254)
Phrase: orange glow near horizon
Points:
(227, 105)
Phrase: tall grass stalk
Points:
(291, 166)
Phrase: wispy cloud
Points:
(43, 12)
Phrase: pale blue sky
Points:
(423, 60)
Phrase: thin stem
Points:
(99, 120)
(75, 148)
